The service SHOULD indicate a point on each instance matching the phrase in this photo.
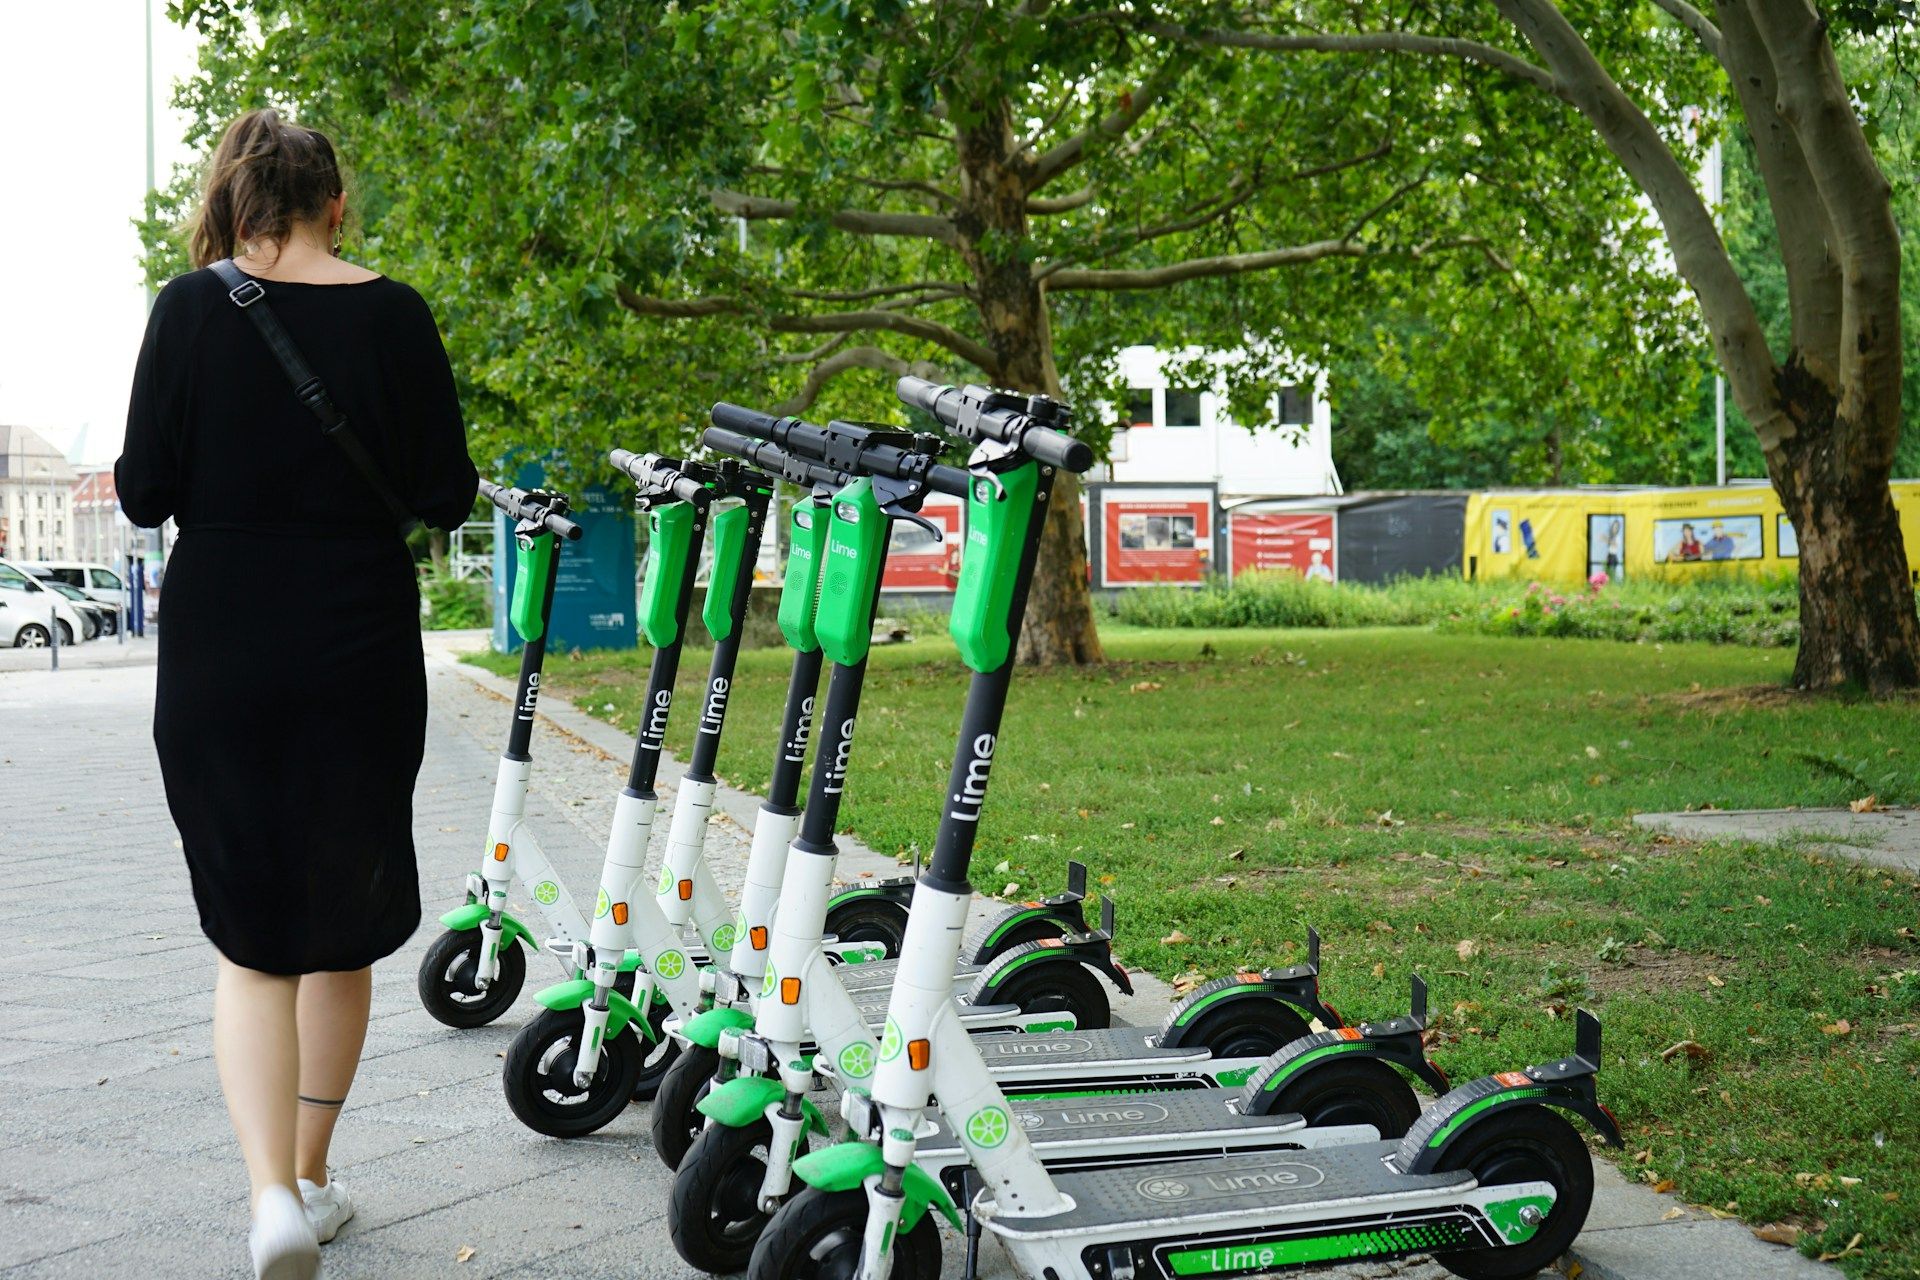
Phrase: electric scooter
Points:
(1489, 1179)
(473, 972)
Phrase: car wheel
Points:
(31, 636)
(66, 636)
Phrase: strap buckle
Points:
(246, 293)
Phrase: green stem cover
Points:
(856, 550)
(800, 594)
(728, 531)
(534, 557)
(669, 537)
(997, 527)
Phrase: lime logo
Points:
(771, 981)
(890, 1041)
(671, 964)
(603, 906)
(723, 938)
(666, 880)
(546, 893)
(987, 1127)
(1165, 1189)
(856, 1060)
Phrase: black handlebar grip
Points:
(562, 526)
(732, 443)
(1056, 448)
(920, 393)
(748, 422)
(955, 482)
(495, 494)
(645, 474)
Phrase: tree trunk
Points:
(992, 220)
(1857, 621)
(437, 548)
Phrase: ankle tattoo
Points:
(332, 1104)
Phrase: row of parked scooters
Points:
(979, 1080)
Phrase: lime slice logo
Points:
(723, 938)
(856, 1061)
(666, 880)
(603, 906)
(890, 1041)
(987, 1127)
(546, 893)
(771, 981)
(670, 964)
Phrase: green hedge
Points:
(448, 603)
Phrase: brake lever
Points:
(898, 512)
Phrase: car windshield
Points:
(70, 592)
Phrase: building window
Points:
(1296, 407)
(1139, 407)
(1183, 407)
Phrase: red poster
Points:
(1300, 541)
(918, 562)
(1149, 539)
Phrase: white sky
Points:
(73, 153)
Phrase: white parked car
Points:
(33, 609)
(98, 581)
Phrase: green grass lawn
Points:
(1460, 805)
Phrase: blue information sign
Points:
(593, 597)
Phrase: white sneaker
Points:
(282, 1239)
(328, 1207)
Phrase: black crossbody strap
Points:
(250, 296)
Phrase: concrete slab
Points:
(1882, 837)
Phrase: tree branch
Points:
(1060, 204)
(1063, 156)
(935, 287)
(916, 186)
(863, 222)
(852, 358)
(1241, 263)
(834, 322)
(1695, 21)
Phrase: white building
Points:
(36, 497)
(1183, 435)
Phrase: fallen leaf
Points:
(1779, 1233)
(1840, 1028)
(1865, 804)
(1849, 1182)
(464, 1253)
(1691, 1049)
(1175, 937)
(1380, 969)
(1663, 1186)
(1671, 1214)
(1593, 753)
(1126, 826)
(1466, 949)
(1713, 981)
(1217, 821)
(1146, 686)
(1237, 855)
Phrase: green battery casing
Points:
(998, 521)
(533, 557)
(855, 552)
(727, 530)
(669, 537)
(800, 593)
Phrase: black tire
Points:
(661, 1052)
(714, 1218)
(1032, 929)
(1360, 1091)
(676, 1123)
(1058, 986)
(31, 636)
(446, 985)
(539, 1076)
(874, 919)
(816, 1236)
(1246, 1028)
(66, 636)
(1524, 1144)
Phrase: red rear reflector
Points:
(1348, 1033)
(919, 1054)
(1514, 1079)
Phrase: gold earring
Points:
(339, 234)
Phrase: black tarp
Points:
(1400, 535)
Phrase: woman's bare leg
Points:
(257, 1051)
(332, 1015)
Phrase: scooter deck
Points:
(877, 974)
(1332, 1182)
(1122, 1052)
(873, 1010)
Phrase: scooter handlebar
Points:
(968, 411)
(655, 475)
(519, 504)
(748, 422)
(771, 457)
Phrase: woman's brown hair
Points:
(265, 178)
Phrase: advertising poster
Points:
(1502, 537)
(1282, 540)
(916, 560)
(1789, 541)
(1606, 544)
(593, 593)
(1155, 535)
(1707, 538)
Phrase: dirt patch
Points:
(1646, 970)
(1736, 698)
(1587, 839)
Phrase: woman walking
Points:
(289, 740)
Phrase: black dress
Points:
(291, 708)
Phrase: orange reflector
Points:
(619, 913)
(919, 1054)
(1348, 1033)
(686, 891)
(1246, 975)
(789, 991)
(758, 936)
(500, 853)
(1514, 1079)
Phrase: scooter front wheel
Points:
(817, 1236)
(1525, 1144)
(677, 1122)
(539, 1076)
(446, 980)
(715, 1215)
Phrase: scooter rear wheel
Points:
(715, 1216)
(1525, 1144)
(539, 1076)
(870, 920)
(1363, 1091)
(1058, 987)
(446, 980)
(817, 1236)
(1246, 1028)
(677, 1124)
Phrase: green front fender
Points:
(704, 1029)
(474, 914)
(846, 1166)
(744, 1099)
(575, 992)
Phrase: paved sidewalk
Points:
(1883, 837)
(115, 1155)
